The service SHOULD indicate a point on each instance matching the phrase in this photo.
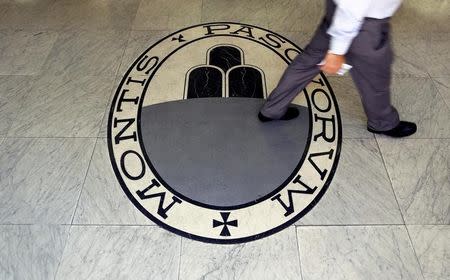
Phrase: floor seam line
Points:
(299, 253)
(63, 251)
(179, 261)
(84, 181)
(112, 89)
(51, 137)
(354, 225)
(398, 205)
(390, 180)
(414, 250)
(151, 225)
(433, 82)
(123, 53)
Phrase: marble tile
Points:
(31, 252)
(61, 106)
(249, 11)
(422, 54)
(418, 169)
(40, 179)
(24, 52)
(120, 253)
(422, 17)
(378, 252)
(91, 15)
(443, 87)
(103, 133)
(167, 14)
(67, 14)
(436, 46)
(301, 39)
(432, 245)
(29, 15)
(291, 15)
(360, 192)
(273, 257)
(83, 53)
(13, 90)
(408, 59)
(354, 120)
(102, 200)
(417, 100)
(138, 42)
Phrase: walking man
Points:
(356, 33)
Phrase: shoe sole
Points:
(383, 133)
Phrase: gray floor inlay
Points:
(226, 159)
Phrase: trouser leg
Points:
(297, 75)
(371, 57)
(381, 115)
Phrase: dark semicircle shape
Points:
(215, 151)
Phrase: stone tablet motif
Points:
(225, 75)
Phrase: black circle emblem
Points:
(188, 150)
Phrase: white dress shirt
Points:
(349, 16)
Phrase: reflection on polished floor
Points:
(63, 214)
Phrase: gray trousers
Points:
(371, 57)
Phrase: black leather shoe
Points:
(290, 114)
(403, 129)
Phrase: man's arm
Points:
(347, 21)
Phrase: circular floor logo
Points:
(188, 149)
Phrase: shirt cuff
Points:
(339, 46)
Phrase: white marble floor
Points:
(63, 214)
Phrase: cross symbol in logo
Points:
(225, 231)
(180, 38)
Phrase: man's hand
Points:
(332, 63)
